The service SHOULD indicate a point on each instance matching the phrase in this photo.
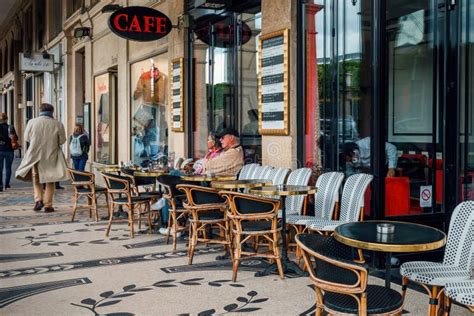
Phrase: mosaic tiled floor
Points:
(50, 266)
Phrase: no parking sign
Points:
(425, 195)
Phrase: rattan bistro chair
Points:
(83, 184)
(206, 207)
(341, 285)
(352, 205)
(457, 262)
(119, 189)
(253, 216)
(175, 198)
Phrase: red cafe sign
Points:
(140, 23)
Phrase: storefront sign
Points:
(177, 93)
(273, 88)
(36, 62)
(140, 24)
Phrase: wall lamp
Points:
(82, 31)
(110, 8)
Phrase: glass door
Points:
(467, 101)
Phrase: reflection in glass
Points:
(149, 126)
(102, 119)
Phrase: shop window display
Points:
(149, 84)
(103, 120)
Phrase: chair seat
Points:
(461, 292)
(433, 273)
(299, 219)
(254, 226)
(288, 213)
(323, 224)
(379, 300)
(151, 194)
(135, 199)
(98, 189)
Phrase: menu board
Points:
(273, 88)
(177, 95)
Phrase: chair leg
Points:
(433, 304)
(168, 228)
(74, 208)
(237, 254)
(192, 242)
(94, 206)
(148, 210)
(107, 202)
(111, 216)
(130, 219)
(276, 251)
(139, 217)
(175, 228)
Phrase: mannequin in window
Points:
(149, 117)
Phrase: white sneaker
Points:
(164, 231)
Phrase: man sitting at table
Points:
(231, 158)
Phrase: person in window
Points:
(231, 159)
(357, 157)
(79, 155)
(7, 134)
(44, 160)
(251, 128)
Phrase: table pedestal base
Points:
(288, 267)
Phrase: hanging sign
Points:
(36, 63)
(140, 23)
(273, 87)
(222, 31)
(177, 95)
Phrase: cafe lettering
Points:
(140, 23)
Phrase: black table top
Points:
(407, 237)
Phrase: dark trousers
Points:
(79, 163)
(6, 156)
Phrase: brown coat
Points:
(45, 136)
(228, 162)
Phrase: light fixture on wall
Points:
(110, 8)
(82, 31)
(354, 2)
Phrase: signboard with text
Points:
(273, 87)
(140, 23)
(36, 63)
(177, 95)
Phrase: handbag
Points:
(15, 144)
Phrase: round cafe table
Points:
(240, 184)
(283, 190)
(407, 237)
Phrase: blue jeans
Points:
(79, 163)
(8, 157)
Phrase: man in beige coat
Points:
(231, 159)
(44, 160)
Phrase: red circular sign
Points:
(140, 24)
(426, 195)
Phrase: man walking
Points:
(44, 160)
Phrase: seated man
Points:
(231, 158)
(357, 156)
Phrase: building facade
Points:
(397, 72)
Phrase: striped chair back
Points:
(247, 171)
(261, 172)
(459, 249)
(278, 175)
(353, 196)
(294, 203)
(328, 185)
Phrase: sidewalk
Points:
(50, 266)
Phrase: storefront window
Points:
(149, 86)
(103, 120)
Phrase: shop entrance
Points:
(225, 46)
